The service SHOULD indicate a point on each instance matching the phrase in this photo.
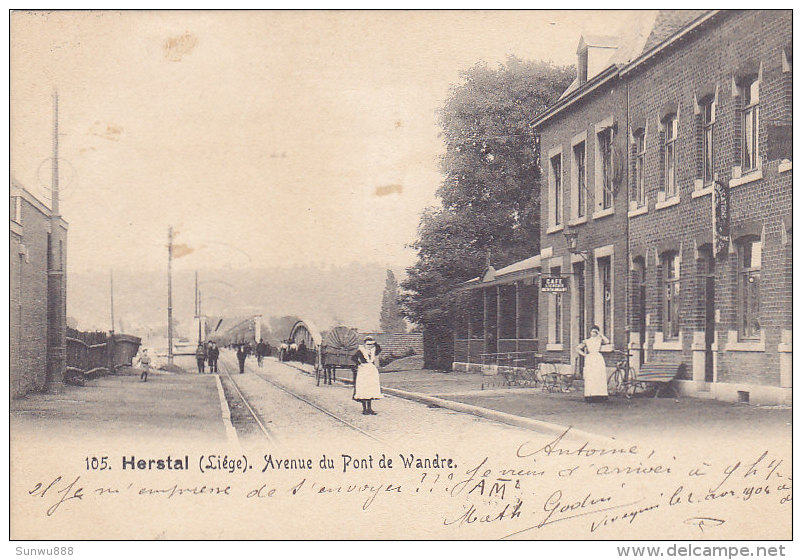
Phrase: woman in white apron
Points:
(595, 372)
(367, 386)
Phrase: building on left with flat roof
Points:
(37, 284)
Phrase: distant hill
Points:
(349, 295)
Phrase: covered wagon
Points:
(337, 351)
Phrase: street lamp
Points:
(571, 242)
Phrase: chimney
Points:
(594, 55)
(582, 64)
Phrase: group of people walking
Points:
(291, 351)
(367, 385)
(210, 354)
(207, 353)
(261, 351)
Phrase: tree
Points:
(391, 320)
(490, 195)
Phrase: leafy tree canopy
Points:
(490, 192)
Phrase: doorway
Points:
(578, 328)
(708, 277)
(640, 294)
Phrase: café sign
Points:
(556, 284)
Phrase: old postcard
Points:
(420, 275)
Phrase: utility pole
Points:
(111, 278)
(170, 295)
(56, 304)
(198, 313)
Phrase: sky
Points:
(264, 138)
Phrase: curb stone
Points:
(487, 413)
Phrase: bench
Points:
(661, 375)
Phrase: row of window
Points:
(604, 176)
(749, 252)
(669, 136)
(511, 310)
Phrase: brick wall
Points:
(28, 348)
(713, 57)
(397, 344)
(582, 117)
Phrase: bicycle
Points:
(624, 379)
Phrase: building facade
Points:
(37, 260)
(584, 199)
(710, 204)
(666, 207)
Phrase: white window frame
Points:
(555, 205)
(741, 287)
(598, 177)
(708, 144)
(740, 175)
(677, 303)
(640, 164)
(17, 210)
(598, 303)
(576, 218)
(751, 112)
(670, 189)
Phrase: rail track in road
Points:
(256, 418)
(268, 433)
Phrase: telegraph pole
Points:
(170, 295)
(197, 307)
(56, 300)
(111, 278)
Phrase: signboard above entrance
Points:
(553, 284)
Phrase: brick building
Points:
(686, 118)
(710, 110)
(37, 259)
(583, 142)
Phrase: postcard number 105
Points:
(95, 464)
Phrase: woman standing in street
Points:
(367, 386)
(595, 372)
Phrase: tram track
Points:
(268, 433)
(323, 410)
(254, 415)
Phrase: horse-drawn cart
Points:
(337, 351)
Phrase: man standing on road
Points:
(241, 355)
(144, 363)
(200, 356)
(261, 351)
(214, 355)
